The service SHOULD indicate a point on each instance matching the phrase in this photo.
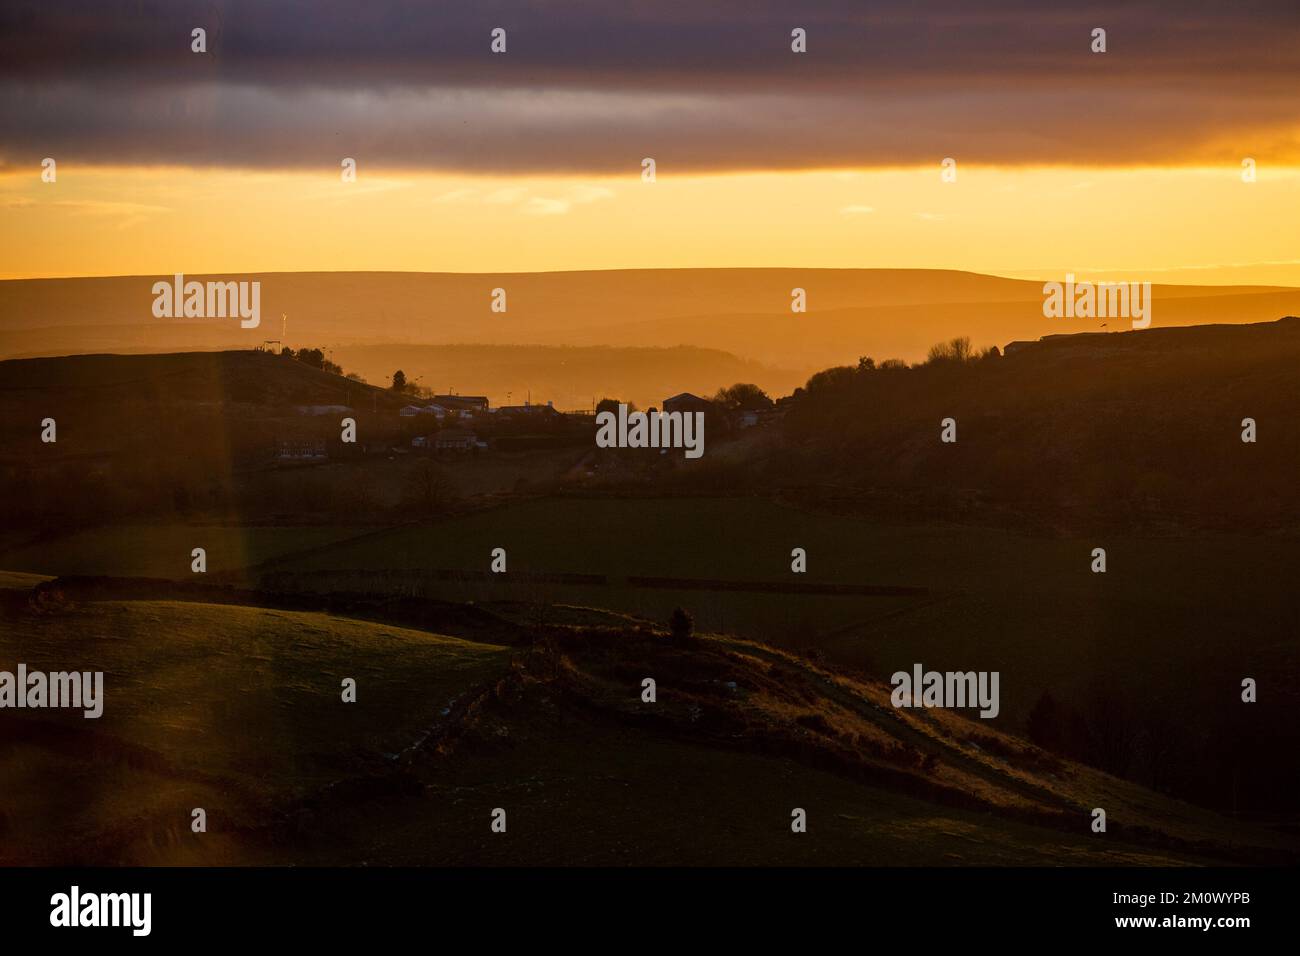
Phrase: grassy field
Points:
(229, 708)
(1166, 607)
(1160, 642)
(163, 551)
(995, 595)
(237, 710)
(1176, 609)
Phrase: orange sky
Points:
(1194, 225)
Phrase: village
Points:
(450, 425)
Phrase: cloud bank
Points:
(589, 87)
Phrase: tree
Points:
(399, 381)
(611, 405)
(743, 397)
(831, 379)
(957, 350)
(428, 490)
(315, 358)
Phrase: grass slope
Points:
(234, 709)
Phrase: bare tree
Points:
(428, 489)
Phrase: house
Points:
(686, 402)
(467, 403)
(456, 439)
(747, 418)
(411, 411)
(528, 409)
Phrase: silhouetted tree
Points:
(957, 351)
(399, 381)
(743, 397)
(428, 490)
(830, 379)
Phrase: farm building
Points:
(456, 439)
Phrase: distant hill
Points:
(745, 312)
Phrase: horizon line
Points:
(1027, 275)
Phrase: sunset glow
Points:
(1199, 225)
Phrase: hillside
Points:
(163, 405)
(1068, 432)
(235, 377)
(151, 434)
(1078, 432)
(239, 712)
(746, 312)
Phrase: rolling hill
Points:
(239, 712)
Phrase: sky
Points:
(1128, 161)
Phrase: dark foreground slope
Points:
(238, 711)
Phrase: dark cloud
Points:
(596, 86)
